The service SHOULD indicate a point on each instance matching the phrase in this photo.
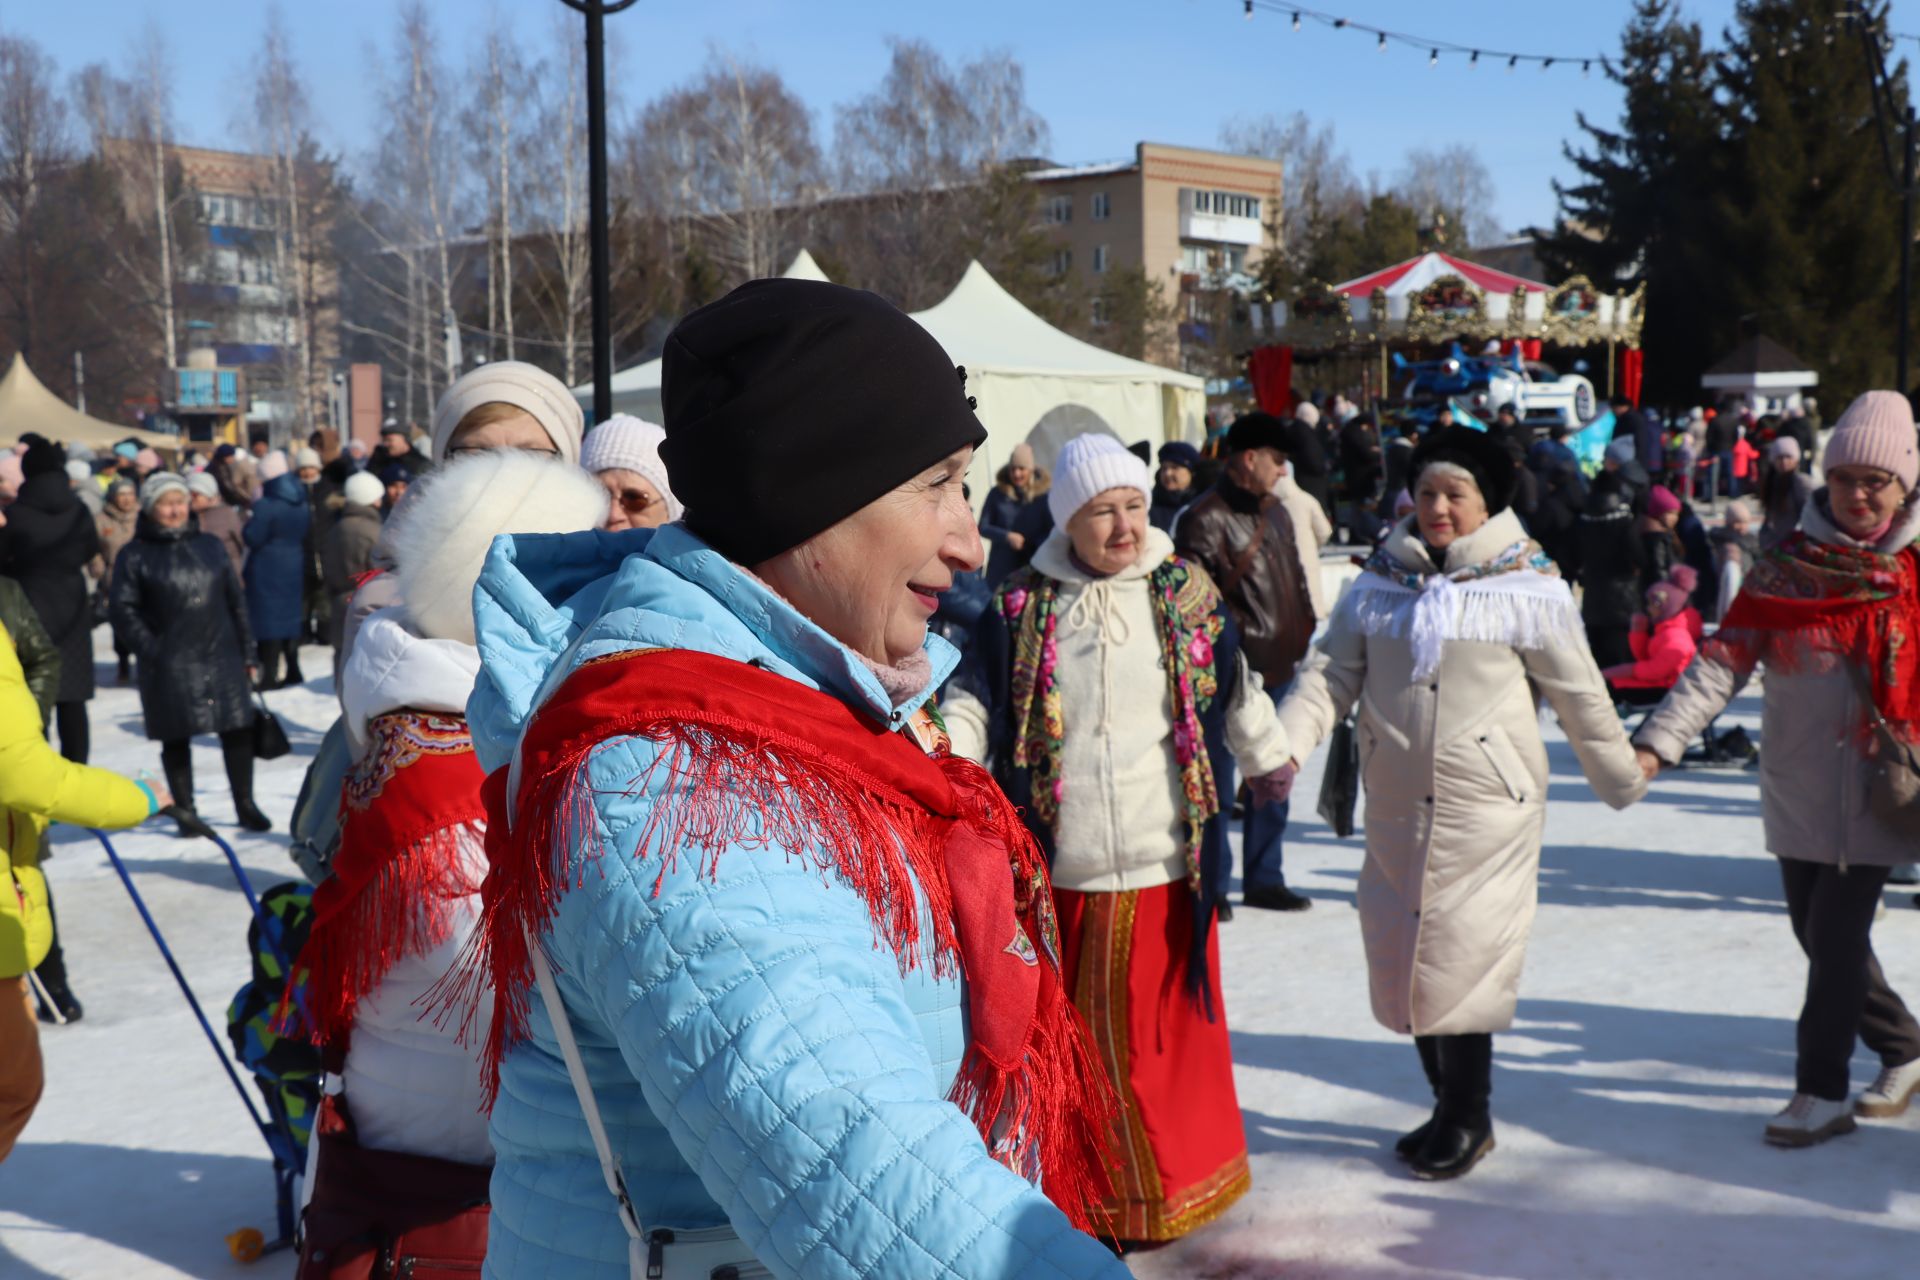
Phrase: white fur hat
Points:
(1088, 466)
(364, 488)
(631, 444)
(439, 538)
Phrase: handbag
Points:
(1893, 787)
(1340, 784)
(664, 1253)
(269, 735)
(380, 1215)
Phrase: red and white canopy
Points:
(1409, 277)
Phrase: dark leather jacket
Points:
(1270, 600)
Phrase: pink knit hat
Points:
(1877, 431)
(1661, 502)
(273, 466)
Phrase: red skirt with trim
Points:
(1182, 1146)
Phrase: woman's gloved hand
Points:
(1273, 788)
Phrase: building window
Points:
(1102, 313)
(1102, 206)
(1059, 209)
(1226, 204)
(1099, 258)
(1061, 263)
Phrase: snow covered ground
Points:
(1656, 1035)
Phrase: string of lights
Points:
(1299, 15)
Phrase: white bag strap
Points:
(577, 1072)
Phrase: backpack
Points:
(279, 1051)
(316, 812)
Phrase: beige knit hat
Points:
(1877, 431)
(521, 385)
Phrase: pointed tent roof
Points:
(984, 327)
(26, 405)
(1416, 274)
(643, 379)
(1758, 354)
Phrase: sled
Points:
(247, 1244)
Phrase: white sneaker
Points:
(1808, 1120)
(1890, 1093)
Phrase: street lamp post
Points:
(596, 12)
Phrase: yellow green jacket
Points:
(38, 786)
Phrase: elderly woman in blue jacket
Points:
(806, 954)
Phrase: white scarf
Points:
(1521, 608)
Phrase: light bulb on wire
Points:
(1433, 58)
(1382, 46)
(1513, 62)
(1249, 10)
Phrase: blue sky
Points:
(1105, 75)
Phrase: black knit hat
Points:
(42, 458)
(1259, 430)
(1477, 453)
(791, 404)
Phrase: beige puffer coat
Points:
(1456, 791)
(1813, 778)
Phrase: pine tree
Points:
(1643, 210)
(1808, 220)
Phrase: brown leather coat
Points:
(1269, 600)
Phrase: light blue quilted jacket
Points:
(757, 1058)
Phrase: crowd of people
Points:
(748, 856)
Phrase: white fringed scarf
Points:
(1516, 599)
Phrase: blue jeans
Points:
(1262, 832)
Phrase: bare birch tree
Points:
(34, 139)
(500, 85)
(280, 122)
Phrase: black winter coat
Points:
(46, 545)
(1006, 511)
(178, 607)
(1612, 557)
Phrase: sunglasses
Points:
(634, 502)
(467, 450)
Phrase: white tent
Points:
(1033, 382)
(1037, 384)
(26, 405)
(636, 390)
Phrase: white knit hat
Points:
(521, 385)
(204, 484)
(631, 444)
(1088, 466)
(364, 489)
(306, 458)
(273, 466)
(157, 485)
(79, 472)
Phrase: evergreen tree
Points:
(1643, 210)
(1808, 221)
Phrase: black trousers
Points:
(1847, 995)
(236, 748)
(76, 738)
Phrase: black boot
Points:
(1462, 1133)
(267, 658)
(293, 676)
(176, 761)
(1430, 1063)
(250, 816)
(63, 1000)
(236, 749)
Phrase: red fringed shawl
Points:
(751, 759)
(399, 868)
(1807, 597)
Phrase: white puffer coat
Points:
(1456, 784)
(410, 1085)
(1814, 780)
(1120, 825)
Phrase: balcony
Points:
(1219, 228)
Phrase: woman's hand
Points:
(1649, 763)
(1018, 541)
(1275, 787)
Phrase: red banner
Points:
(1270, 369)
(1632, 372)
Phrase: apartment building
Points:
(1197, 221)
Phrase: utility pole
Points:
(596, 12)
